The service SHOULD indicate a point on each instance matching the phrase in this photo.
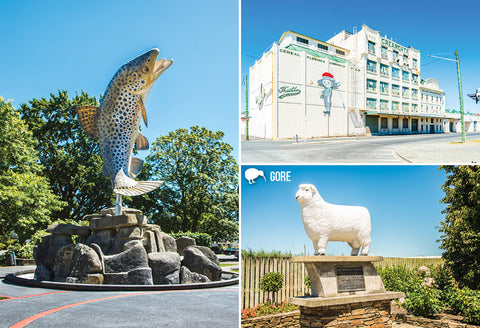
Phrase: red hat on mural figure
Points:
(326, 74)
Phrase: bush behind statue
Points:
(426, 301)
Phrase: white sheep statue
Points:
(325, 222)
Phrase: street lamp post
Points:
(462, 116)
(460, 94)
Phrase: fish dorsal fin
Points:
(142, 142)
(142, 108)
(135, 167)
(88, 115)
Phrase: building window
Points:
(395, 56)
(414, 93)
(405, 123)
(371, 85)
(340, 52)
(405, 76)
(371, 103)
(383, 123)
(414, 63)
(384, 87)
(395, 90)
(322, 46)
(405, 107)
(405, 92)
(371, 66)
(395, 123)
(384, 70)
(414, 78)
(371, 47)
(302, 40)
(405, 60)
(384, 52)
(383, 104)
(395, 106)
(395, 73)
(414, 108)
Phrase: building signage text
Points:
(391, 44)
(288, 91)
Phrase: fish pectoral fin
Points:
(135, 167)
(142, 108)
(142, 142)
(88, 115)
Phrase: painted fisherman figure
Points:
(328, 83)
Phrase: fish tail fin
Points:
(127, 186)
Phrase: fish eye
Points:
(145, 69)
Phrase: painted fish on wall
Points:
(116, 122)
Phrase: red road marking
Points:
(26, 321)
(26, 296)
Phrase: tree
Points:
(72, 160)
(460, 230)
(26, 201)
(201, 182)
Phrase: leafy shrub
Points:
(420, 300)
(423, 301)
(307, 281)
(201, 239)
(465, 302)
(267, 308)
(271, 282)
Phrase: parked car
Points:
(231, 251)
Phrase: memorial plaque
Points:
(350, 278)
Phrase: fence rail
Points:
(254, 268)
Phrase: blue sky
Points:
(403, 202)
(430, 26)
(79, 45)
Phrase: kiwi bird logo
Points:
(116, 122)
(251, 174)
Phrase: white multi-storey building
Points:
(375, 88)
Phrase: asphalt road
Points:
(420, 148)
(37, 307)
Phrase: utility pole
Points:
(246, 108)
(460, 93)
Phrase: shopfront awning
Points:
(404, 114)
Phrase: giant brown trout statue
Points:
(116, 123)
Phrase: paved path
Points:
(37, 307)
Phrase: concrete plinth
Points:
(347, 291)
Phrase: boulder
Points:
(111, 222)
(76, 261)
(103, 238)
(165, 267)
(68, 229)
(202, 260)
(132, 258)
(169, 242)
(189, 277)
(149, 242)
(184, 242)
(140, 276)
(45, 254)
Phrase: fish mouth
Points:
(160, 66)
